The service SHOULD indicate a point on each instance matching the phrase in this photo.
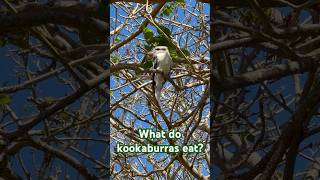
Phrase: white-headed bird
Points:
(162, 61)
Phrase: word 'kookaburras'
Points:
(161, 61)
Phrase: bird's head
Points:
(158, 50)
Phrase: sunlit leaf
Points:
(117, 39)
(167, 10)
(148, 33)
(180, 1)
(115, 58)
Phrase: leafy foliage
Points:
(162, 39)
(167, 10)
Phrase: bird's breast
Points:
(164, 62)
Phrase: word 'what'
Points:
(151, 134)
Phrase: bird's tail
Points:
(157, 92)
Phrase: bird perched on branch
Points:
(162, 61)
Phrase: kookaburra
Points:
(161, 61)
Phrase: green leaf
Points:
(147, 65)
(115, 58)
(167, 10)
(163, 41)
(173, 54)
(4, 99)
(180, 1)
(186, 52)
(49, 100)
(117, 39)
(160, 40)
(148, 47)
(165, 30)
(148, 33)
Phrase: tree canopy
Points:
(53, 94)
(265, 90)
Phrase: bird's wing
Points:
(155, 65)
